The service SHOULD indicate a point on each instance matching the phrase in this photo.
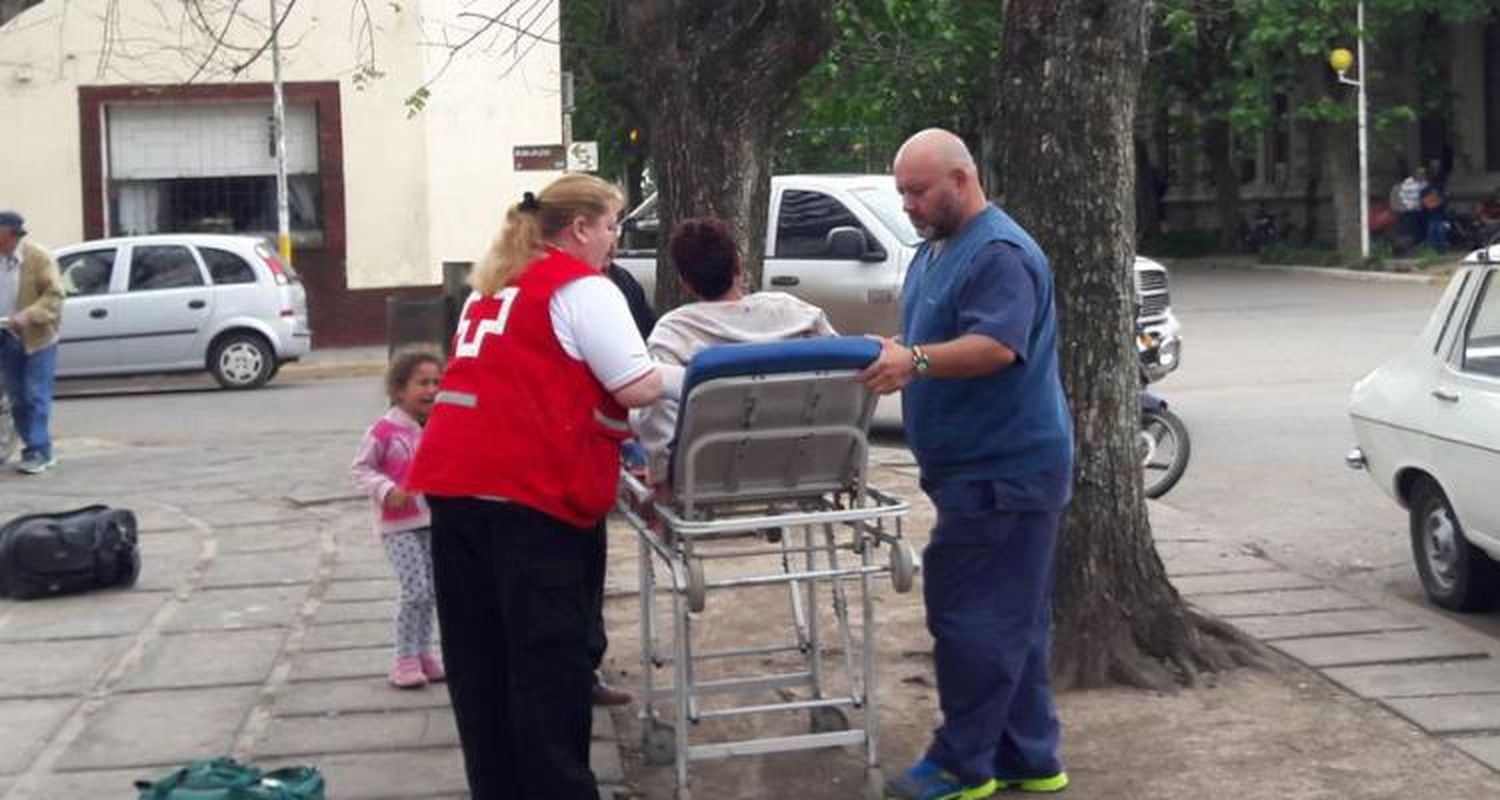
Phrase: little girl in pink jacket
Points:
(401, 518)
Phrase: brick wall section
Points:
(340, 317)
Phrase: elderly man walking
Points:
(31, 298)
(988, 423)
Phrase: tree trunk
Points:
(1067, 174)
(715, 78)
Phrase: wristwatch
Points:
(920, 361)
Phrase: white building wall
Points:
(416, 191)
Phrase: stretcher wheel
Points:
(874, 784)
(697, 587)
(903, 566)
(659, 743)
(827, 720)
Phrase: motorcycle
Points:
(1164, 444)
(1261, 231)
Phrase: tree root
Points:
(1164, 660)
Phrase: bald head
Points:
(940, 148)
(938, 182)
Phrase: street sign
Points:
(539, 157)
(583, 157)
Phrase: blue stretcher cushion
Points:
(782, 356)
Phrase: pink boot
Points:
(407, 673)
(432, 666)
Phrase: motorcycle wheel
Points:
(1165, 449)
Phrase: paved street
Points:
(1269, 361)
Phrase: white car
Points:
(174, 303)
(1428, 429)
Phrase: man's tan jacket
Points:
(39, 301)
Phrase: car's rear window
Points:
(1482, 340)
(1452, 308)
(225, 267)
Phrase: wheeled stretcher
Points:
(769, 488)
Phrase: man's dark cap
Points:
(14, 221)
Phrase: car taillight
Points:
(276, 270)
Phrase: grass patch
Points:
(1186, 243)
(1306, 256)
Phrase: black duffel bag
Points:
(73, 551)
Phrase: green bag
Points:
(226, 779)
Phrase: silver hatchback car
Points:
(177, 303)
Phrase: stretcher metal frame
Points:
(726, 497)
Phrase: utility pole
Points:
(1364, 144)
(1341, 60)
(567, 111)
(283, 213)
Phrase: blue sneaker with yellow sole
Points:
(928, 781)
(1043, 785)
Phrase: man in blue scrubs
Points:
(988, 423)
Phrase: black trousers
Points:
(515, 604)
(599, 559)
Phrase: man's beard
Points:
(944, 222)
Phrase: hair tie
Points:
(529, 203)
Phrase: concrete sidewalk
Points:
(260, 628)
(1439, 675)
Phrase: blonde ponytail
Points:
(519, 243)
(529, 224)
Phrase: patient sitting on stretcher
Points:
(707, 260)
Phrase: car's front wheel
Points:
(242, 361)
(1455, 574)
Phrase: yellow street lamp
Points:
(1341, 60)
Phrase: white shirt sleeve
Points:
(593, 324)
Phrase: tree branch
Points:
(275, 32)
(217, 38)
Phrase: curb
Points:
(1372, 276)
(1338, 273)
(332, 369)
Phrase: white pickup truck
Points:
(842, 242)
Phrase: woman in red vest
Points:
(519, 462)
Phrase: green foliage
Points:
(591, 50)
(365, 75)
(1226, 59)
(896, 66)
(416, 101)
